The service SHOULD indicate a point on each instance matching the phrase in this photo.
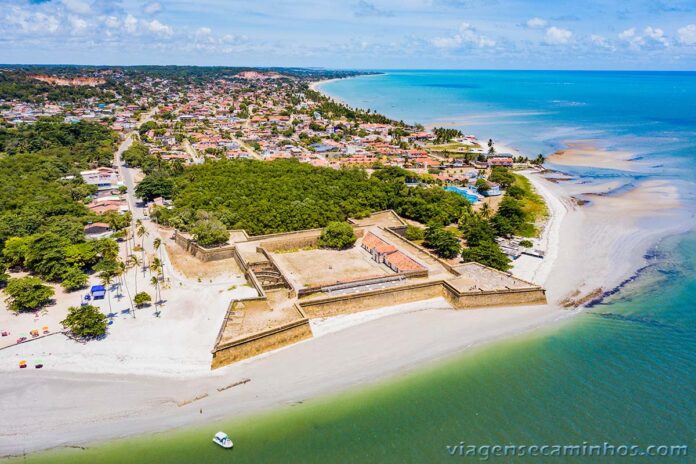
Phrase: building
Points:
(383, 252)
(97, 230)
(493, 190)
(104, 178)
(500, 161)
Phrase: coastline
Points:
(347, 352)
(349, 355)
(316, 85)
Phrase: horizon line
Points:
(324, 68)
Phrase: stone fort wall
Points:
(260, 342)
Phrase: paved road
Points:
(127, 173)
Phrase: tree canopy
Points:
(27, 294)
(285, 195)
(85, 321)
(42, 196)
(444, 242)
(488, 254)
(337, 235)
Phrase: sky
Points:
(354, 34)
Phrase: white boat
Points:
(223, 440)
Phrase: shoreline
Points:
(347, 354)
(317, 369)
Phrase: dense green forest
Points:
(42, 214)
(80, 144)
(285, 195)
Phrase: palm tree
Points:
(142, 233)
(106, 281)
(485, 211)
(154, 281)
(134, 262)
(157, 244)
(121, 268)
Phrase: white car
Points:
(223, 440)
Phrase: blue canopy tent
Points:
(98, 292)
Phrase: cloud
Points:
(112, 22)
(365, 8)
(632, 39)
(557, 36)
(536, 23)
(467, 35)
(152, 8)
(203, 31)
(601, 42)
(656, 35)
(157, 27)
(651, 37)
(24, 22)
(77, 6)
(130, 24)
(77, 25)
(687, 34)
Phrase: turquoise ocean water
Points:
(623, 372)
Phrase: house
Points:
(383, 252)
(500, 161)
(399, 262)
(97, 230)
(377, 247)
(322, 147)
(103, 177)
(493, 191)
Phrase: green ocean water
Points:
(622, 372)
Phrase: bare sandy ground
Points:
(586, 153)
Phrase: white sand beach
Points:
(587, 154)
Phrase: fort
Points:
(296, 281)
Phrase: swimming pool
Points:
(473, 198)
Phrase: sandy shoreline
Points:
(586, 153)
(316, 85)
(75, 393)
(358, 355)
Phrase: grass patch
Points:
(533, 205)
(295, 250)
(456, 146)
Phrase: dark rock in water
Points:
(635, 319)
